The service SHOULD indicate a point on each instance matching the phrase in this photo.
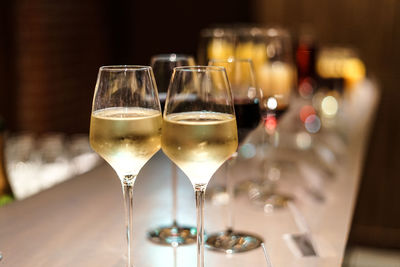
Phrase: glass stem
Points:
(175, 250)
(174, 174)
(127, 189)
(230, 190)
(200, 193)
(273, 138)
(264, 158)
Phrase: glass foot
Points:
(173, 235)
(271, 201)
(233, 242)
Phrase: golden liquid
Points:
(199, 142)
(126, 137)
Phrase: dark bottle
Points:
(306, 54)
(6, 194)
(306, 58)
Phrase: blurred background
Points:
(50, 52)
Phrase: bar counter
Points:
(81, 221)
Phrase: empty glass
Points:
(246, 98)
(173, 234)
(276, 77)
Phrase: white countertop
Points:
(81, 222)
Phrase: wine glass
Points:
(276, 77)
(250, 43)
(216, 43)
(173, 234)
(199, 130)
(246, 98)
(163, 66)
(125, 127)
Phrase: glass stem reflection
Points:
(200, 193)
(174, 174)
(175, 250)
(127, 189)
(230, 190)
(270, 133)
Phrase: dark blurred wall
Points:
(50, 51)
(7, 78)
(58, 48)
(373, 27)
(173, 26)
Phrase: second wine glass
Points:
(199, 130)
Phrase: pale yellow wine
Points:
(199, 142)
(126, 137)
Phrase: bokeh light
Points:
(303, 140)
(272, 103)
(329, 106)
(306, 88)
(305, 112)
(312, 124)
(270, 123)
(247, 150)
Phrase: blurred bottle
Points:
(341, 63)
(6, 194)
(306, 55)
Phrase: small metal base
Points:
(173, 235)
(233, 242)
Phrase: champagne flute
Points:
(199, 130)
(246, 97)
(125, 127)
(173, 234)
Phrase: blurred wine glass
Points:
(246, 99)
(173, 234)
(276, 78)
(250, 44)
(216, 43)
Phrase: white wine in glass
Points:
(199, 142)
(126, 137)
(199, 130)
(125, 127)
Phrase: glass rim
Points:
(200, 68)
(231, 60)
(220, 31)
(251, 30)
(277, 31)
(171, 57)
(124, 68)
